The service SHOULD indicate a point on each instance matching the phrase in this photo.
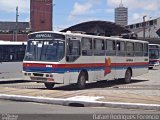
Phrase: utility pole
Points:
(144, 27)
(16, 31)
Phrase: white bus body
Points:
(83, 58)
(11, 57)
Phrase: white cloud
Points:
(10, 6)
(82, 8)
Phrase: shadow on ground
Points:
(13, 81)
(99, 84)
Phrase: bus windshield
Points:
(45, 50)
(153, 54)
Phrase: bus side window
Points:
(130, 49)
(145, 49)
(73, 50)
(138, 49)
(86, 46)
(120, 48)
(99, 47)
(110, 48)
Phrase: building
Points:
(148, 30)
(121, 15)
(40, 20)
(41, 15)
(101, 28)
(12, 31)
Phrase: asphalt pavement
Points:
(142, 93)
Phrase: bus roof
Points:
(12, 43)
(155, 44)
(91, 36)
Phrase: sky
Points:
(70, 12)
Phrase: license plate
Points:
(38, 79)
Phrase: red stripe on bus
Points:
(83, 65)
(153, 60)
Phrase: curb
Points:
(80, 103)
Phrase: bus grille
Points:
(38, 74)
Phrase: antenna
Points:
(16, 31)
(121, 4)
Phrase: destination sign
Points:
(45, 35)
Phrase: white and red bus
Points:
(154, 55)
(71, 58)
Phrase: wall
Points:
(11, 37)
(41, 15)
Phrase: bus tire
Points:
(128, 76)
(49, 85)
(81, 83)
(150, 68)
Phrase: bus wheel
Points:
(128, 76)
(81, 80)
(150, 68)
(49, 85)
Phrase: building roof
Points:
(12, 26)
(103, 28)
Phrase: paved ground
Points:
(38, 108)
(143, 89)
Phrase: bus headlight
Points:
(29, 74)
(47, 75)
(25, 74)
(51, 75)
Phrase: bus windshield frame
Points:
(45, 49)
(153, 53)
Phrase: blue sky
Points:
(70, 12)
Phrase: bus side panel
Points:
(87, 62)
(10, 70)
(58, 78)
(121, 67)
(99, 71)
(74, 77)
(91, 76)
(141, 68)
(66, 79)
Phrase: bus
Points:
(154, 55)
(73, 58)
(11, 57)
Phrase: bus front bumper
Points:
(42, 77)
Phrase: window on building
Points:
(137, 25)
(155, 22)
(151, 22)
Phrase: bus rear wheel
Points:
(49, 85)
(81, 80)
(128, 76)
